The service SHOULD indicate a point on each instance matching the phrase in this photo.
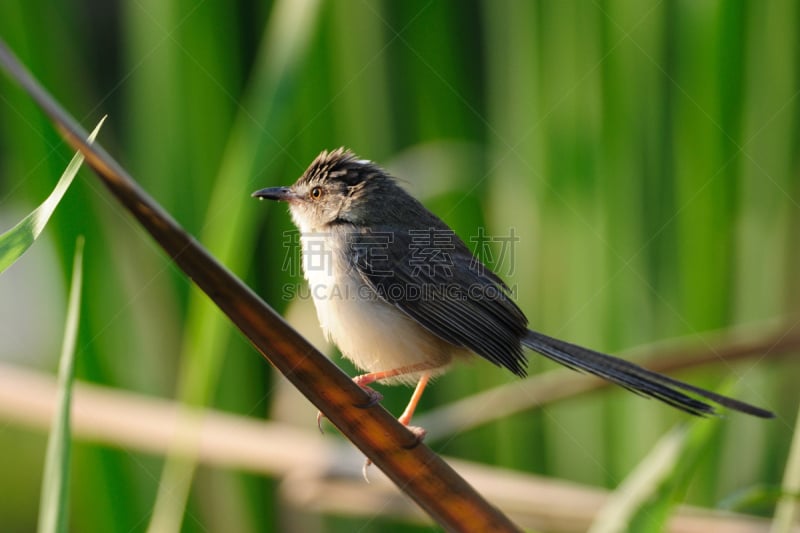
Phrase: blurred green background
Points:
(644, 154)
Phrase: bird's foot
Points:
(320, 416)
(417, 431)
(374, 396)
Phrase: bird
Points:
(403, 297)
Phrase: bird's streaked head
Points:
(335, 189)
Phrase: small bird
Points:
(403, 297)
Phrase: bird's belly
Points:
(373, 334)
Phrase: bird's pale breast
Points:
(373, 334)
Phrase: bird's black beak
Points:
(281, 194)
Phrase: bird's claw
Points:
(367, 463)
(320, 416)
(417, 431)
(374, 397)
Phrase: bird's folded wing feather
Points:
(470, 309)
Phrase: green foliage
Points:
(53, 507)
(644, 153)
(14, 242)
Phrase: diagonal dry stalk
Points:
(413, 467)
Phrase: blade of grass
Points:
(654, 513)
(642, 483)
(755, 499)
(411, 465)
(14, 242)
(649, 496)
(53, 509)
(516, 180)
(788, 509)
(230, 220)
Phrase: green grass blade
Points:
(18, 239)
(648, 496)
(755, 499)
(642, 483)
(53, 503)
(788, 509)
(207, 332)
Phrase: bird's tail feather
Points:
(635, 378)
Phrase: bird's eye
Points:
(316, 193)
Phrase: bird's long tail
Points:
(635, 378)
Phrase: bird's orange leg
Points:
(364, 380)
(405, 418)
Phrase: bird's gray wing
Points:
(445, 289)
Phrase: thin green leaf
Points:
(788, 509)
(648, 496)
(53, 504)
(755, 499)
(206, 332)
(18, 239)
(645, 480)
